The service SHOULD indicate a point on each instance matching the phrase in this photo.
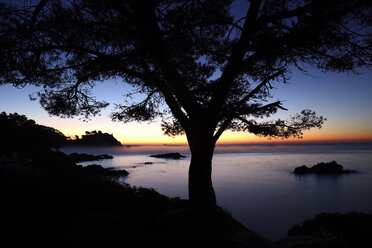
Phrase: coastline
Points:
(86, 206)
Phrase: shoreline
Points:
(65, 176)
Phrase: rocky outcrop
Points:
(95, 169)
(174, 155)
(322, 168)
(83, 157)
(331, 230)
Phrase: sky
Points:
(344, 99)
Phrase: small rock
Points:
(174, 155)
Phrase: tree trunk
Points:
(201, 192)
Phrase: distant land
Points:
(24, 135)
(94, 138)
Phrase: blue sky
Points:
(345, 100)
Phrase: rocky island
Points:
(94, 138)
(173, 155)
(83, 157)
(322, 168)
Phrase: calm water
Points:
(254, 182)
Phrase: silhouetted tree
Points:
(213, 72)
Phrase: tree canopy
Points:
(191, 55)
(202, 70)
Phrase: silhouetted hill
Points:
(23, 135)
(95, 138)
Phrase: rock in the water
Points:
(82, 157)
(331, 167)
(322, 168)
(95, 169)
(302, 170)
(174, 155)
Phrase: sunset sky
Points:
(344, 99)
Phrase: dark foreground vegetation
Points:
(349, 230)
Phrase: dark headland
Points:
(94, 138)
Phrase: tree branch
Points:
(171, 101)
(258, 88)
(234, 62)
(249, 111)
(37, 10)
(152, 39)
(295, 126)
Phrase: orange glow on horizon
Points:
(151, 134)
(233, 138)
(249, 139)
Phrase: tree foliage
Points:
(191, 56)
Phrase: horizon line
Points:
(258, 142)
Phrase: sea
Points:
(255, 182)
